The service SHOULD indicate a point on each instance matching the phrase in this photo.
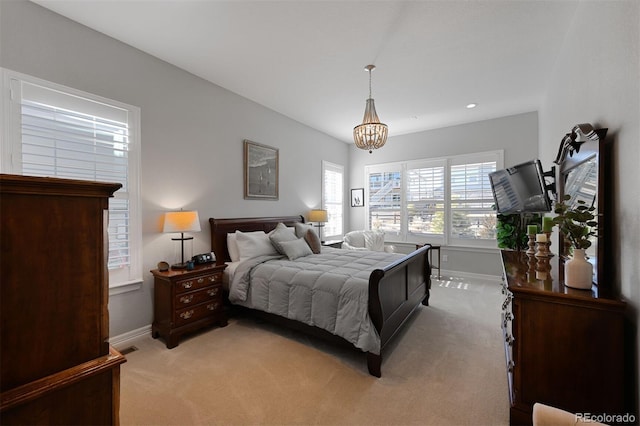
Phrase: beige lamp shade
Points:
(318, 216)
(182, 221)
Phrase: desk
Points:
(434, 247)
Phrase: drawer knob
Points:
(187, 284)
(187, 299)
(212, 278)
(200, 280)
(187, 314)
(212, 291)
(212, 306)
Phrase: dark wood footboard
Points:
(394, 293)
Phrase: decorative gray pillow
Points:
(281, 234)
(296, 248)
(314, 242)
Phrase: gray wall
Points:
(192, 133)
(517, 135)
(596, 80)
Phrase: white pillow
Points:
(254, 244)
(232, 246)
(302, 228)
(296, 248)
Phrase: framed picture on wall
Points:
(260, 171)
(357, 197)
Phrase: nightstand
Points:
(185, 301)
(333, 243)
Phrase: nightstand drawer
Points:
(197, 312)
(198, 282)
(195, 297)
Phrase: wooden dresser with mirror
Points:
(566, 347)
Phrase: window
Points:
(61, 132)
(444, 200)
(333, 198)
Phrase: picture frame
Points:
(260, 171)
(357, 197)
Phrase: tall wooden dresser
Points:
(56, 365)
(564, 347)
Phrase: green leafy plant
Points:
(511, 230)
(577, 223)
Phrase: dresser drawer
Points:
(195, 283)
(196, 297)
(197, 312)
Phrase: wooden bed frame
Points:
(394, 291)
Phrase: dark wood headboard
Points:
(221, 227)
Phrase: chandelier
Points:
(371, 134)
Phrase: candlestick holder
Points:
(532, 245)
(541, 250)
(549, 244)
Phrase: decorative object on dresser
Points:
(320, 217)
(577, 223)
(260, 171)
(187, 300)
(57, 366)
(395, 287)
(181, 222)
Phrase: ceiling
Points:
(305, 59)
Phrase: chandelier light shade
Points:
(371, 134)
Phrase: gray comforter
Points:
(328, 290)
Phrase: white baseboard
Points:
(123, 340)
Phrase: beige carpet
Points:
(447, 368)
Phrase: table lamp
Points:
(319, 217)
(182, 221)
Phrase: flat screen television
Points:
(520, 189)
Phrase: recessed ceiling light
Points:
(472, 105)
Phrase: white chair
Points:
(366, 240)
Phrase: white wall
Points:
(517, 135)
(596, 81)
(192, 133)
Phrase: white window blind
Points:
(333, 198)
(68, 134)
(443, 201)
(472, 216)
(425, 200)
(385, 199)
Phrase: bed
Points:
(387, 293)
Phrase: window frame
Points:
(11, 158)
(446, 238)
(338, 168)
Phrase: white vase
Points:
(578, 272)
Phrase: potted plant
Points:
(577, 223)
(511, 229)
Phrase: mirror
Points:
(582, 160)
